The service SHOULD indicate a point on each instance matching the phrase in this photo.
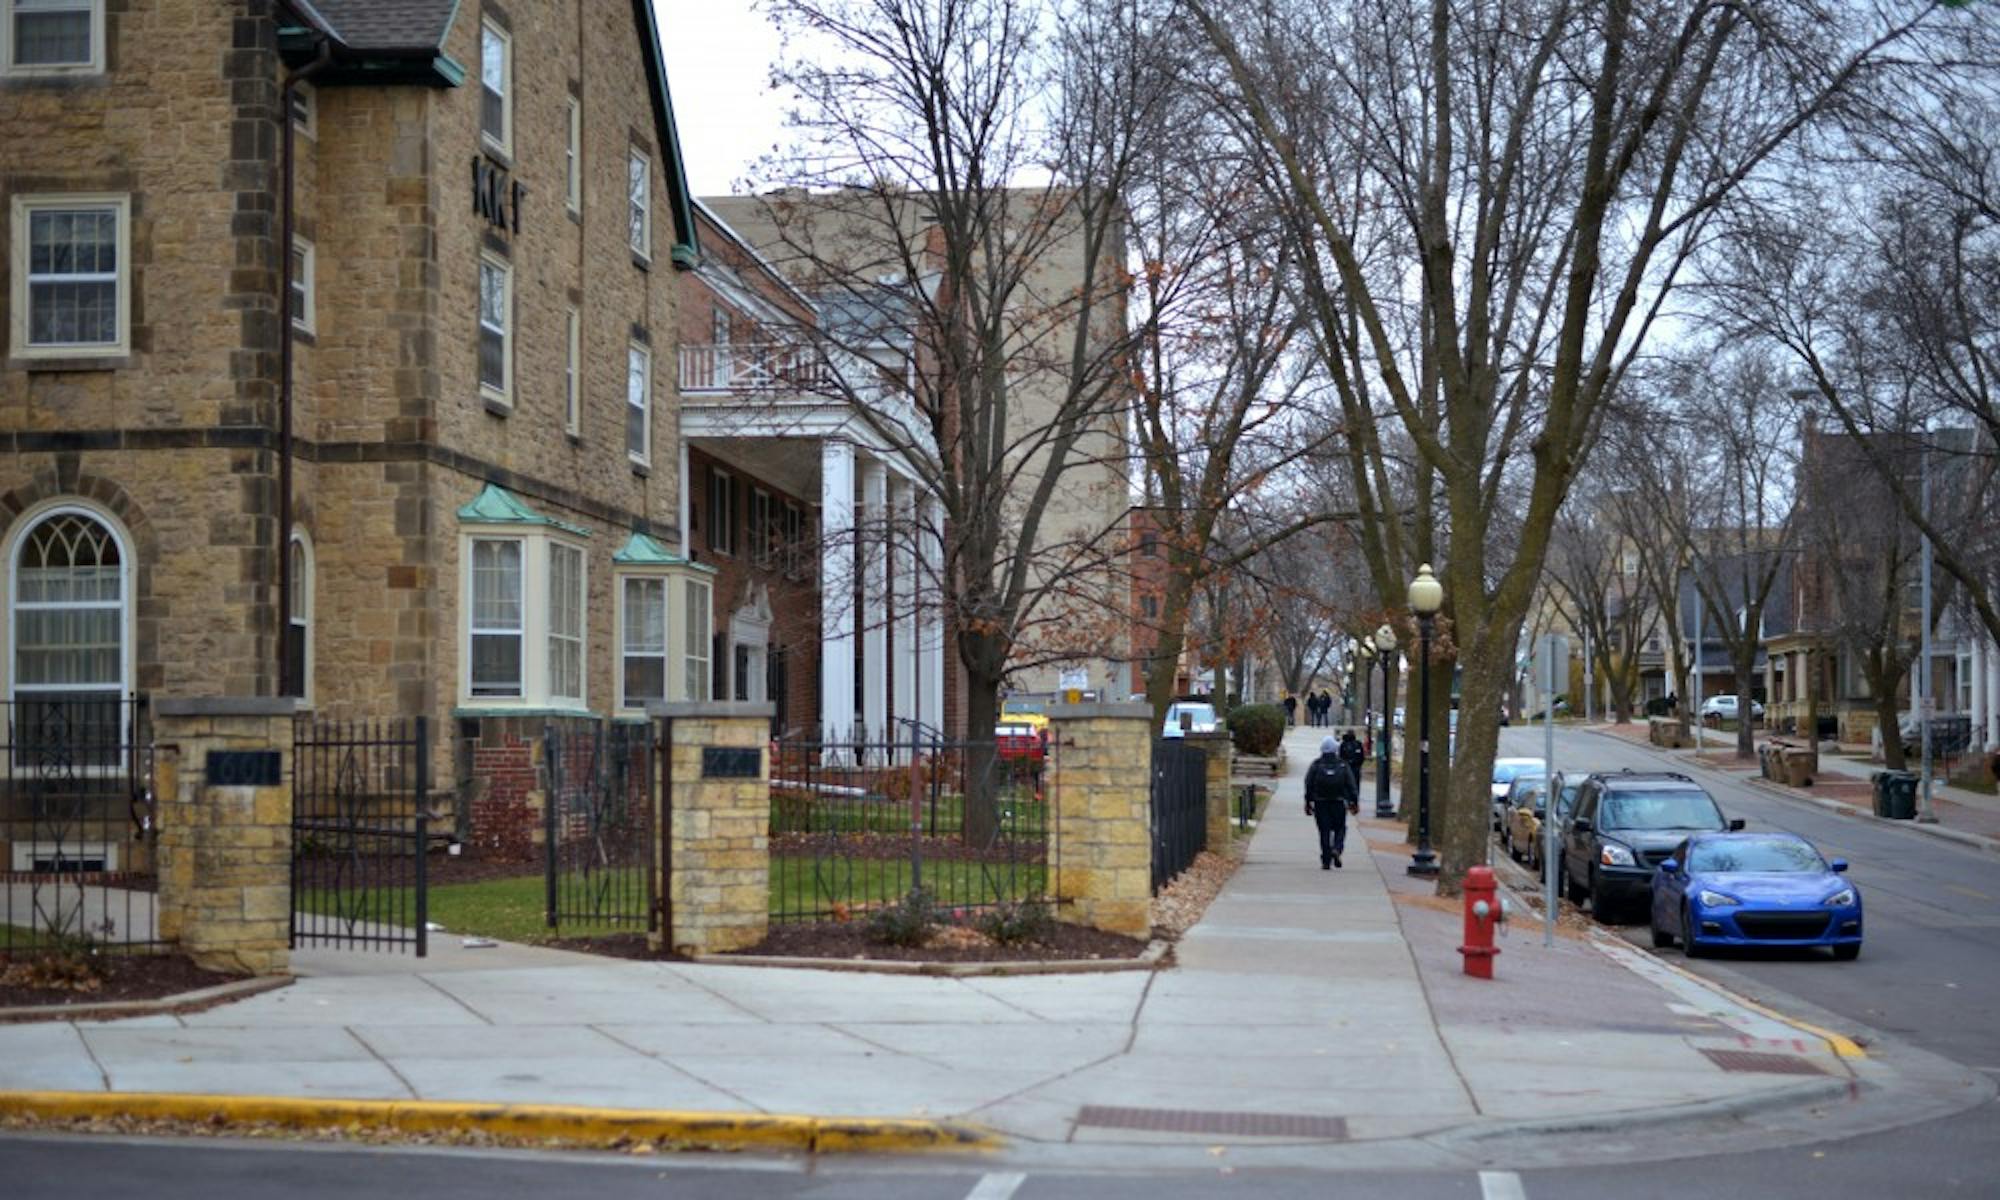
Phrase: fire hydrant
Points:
(1482, 913)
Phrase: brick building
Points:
(453, 487)
(817, 525)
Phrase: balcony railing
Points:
(755, 368)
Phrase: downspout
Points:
(323, 54)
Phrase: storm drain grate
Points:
(1767, 1064)
(1221, 1124)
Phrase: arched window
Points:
(68, 611)
(298, 619)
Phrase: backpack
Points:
(1329, 782)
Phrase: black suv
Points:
(1624, 824)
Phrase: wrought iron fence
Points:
(77, 835)
(857, 824)
(360, 829)
(1180, 807)
(599, 832)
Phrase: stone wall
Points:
(717, 880)
(1101, 784)
(225, 852)
(1220, 750)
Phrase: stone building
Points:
(452, 488)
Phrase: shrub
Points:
(1014, 922)
(1257, 728)
(907, 922)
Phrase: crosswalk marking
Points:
(1501, 1185)
(997, 1186)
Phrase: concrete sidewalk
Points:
(1308, 1009)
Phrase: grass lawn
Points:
(802, 886)
(1021, 814)
(511, 909)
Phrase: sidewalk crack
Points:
(386, 1064)
(103, 1075)
(427, 981)
(677, 1068)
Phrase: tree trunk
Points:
(1468, 824)
(982, 717)
(1746, 734)
(1883, 679)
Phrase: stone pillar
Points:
(1219, 749)
(836, 573)
(1101, 782)
(226, 841)
(1978, 668)
(874, 615)
(716, 879)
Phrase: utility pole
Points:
(1927, 815)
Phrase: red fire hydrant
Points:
(1482, 913)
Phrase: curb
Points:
(601, 1127)
(1786, 1096)
(1970, 841)
(1148, 959)
(111, 1010)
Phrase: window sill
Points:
(641, 261)
(575, 214)
(575, 438)
(488, 708)
(70, 362)
(498, 406)
(304, 335)
(642, 469)
(501, 155)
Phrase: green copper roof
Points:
(640, 550)
(495, 505)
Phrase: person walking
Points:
(1291, 708)
(1331, 793)
(1354, 754)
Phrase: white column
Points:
(902, 541)
(1976, 663)
(1992, 690)
(836, 583)
(931, 648)
(874, 615)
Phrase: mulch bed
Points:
(845, 939)
(120, 977)
(850, 940)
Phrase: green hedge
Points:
(1257, 728)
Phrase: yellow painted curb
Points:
(1841, 1045)
(571, 1123)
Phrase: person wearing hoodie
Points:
(1331, 793)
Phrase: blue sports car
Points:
(1754, 889)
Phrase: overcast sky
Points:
(719, 55)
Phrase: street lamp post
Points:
(1426, 598)
(1385, 643)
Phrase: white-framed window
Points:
(639, 197)
(639, 404)
(566, 623)
(71, 275)
(69, 608)
(498, 571)
(299, 616)
(496, 320)
(572, 387)
(305, 285)
(573, 158)
(795, 551)
(721, 510)
(642, 617)
(51, 37)
(305, 109)
(695, 680)
(763, 528)
(496, 87)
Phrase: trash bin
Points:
(1896, 795)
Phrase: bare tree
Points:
(1496, 201)
(1601, 592)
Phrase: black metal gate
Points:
(360, 827)
(599, 830)
(76, 825)
(1180, 807)
(858, 824)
